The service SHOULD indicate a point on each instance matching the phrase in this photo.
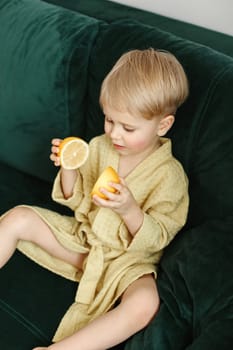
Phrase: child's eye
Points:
(128, 129)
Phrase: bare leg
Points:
(138, 306)
(22, 223)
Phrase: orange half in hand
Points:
(108, 175)
(73, 152)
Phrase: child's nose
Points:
(115, 132)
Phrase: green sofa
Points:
(53, 57)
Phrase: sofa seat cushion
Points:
(43, 67)
(32, 303)
(195, 286)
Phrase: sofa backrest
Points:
(44, 55)
(52, 63)
(203, 131)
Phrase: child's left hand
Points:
(121, 201)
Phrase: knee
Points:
(146, 309)
(17, 218)
(143, 304)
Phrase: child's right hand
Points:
(54, 151)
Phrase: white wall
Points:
(212, 14)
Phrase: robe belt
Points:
(91, 275)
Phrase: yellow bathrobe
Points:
(115, 260)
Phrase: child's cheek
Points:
(139, 144)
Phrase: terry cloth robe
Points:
(115, 258)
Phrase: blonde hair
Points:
(147, 83)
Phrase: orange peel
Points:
(108, 175)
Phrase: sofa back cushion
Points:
(43, 73)
(203, 131)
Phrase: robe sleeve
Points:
(165, 213)
(73, 201)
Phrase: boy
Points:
(112, 246)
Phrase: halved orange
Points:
(73, 152)
(108, 175)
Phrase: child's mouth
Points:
(118, 146)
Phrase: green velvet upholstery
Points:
(44, 52)
(196, 132)
(196, 288)
(110, 11)
(51, 69)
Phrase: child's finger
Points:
(56, 142)
(116, 186)
(54, 149)
(55, 159)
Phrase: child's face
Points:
(131, 135)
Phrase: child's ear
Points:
(165, 124)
